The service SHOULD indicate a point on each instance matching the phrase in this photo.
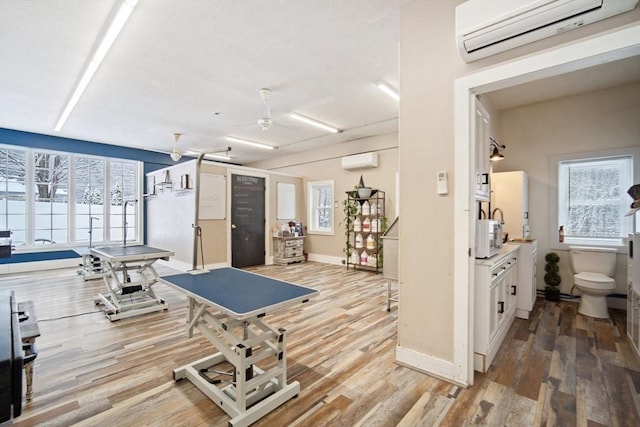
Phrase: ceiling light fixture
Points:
(314, 122)
(175, 154)
(393, 93)
(103, 48)
(252, 143)
(495, 148)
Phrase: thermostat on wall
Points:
(443, 183)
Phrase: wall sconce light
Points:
(495, 148)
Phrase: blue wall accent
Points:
(152, 161)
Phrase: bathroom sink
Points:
(522, 240)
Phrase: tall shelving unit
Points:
(364, 231)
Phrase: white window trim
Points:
(619, 244)
(311, 208)
(29, 208)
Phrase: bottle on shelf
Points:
(371, 242)
(364, 258)
(561, 234)
(359, 241)
(366, 208)
(357, 224)
(366, 225)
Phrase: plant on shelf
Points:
(350, 209)
(552, 277)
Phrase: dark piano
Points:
(11, 357)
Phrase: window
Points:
(51, 198)
(320, 211)
(592, 198)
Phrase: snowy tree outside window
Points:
(50, 197)
(592, 198)
(320, 219)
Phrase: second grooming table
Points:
(129, 296)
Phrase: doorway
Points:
(247, 220)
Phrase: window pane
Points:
(13, 216)
(321, 207)
(51, 179)
(592, 198)
(124, 188)
(89, 197)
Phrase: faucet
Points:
(124, 221)
(493, 214)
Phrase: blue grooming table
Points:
(228, 306)
(130, 295)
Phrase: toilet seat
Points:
(594, 281)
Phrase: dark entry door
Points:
(247, 220)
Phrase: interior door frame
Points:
(584, 53)
(268, 258)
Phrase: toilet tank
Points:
(594, 260)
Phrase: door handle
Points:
(513, 289)
(233, 226)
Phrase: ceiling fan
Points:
(175, 154)
(219, 153)
(264, 121)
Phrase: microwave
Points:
(488, 238)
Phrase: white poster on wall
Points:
(212, 196)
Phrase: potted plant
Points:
(552, 277)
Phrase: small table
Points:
(127, 297)
(228, 306)
(29, 331)
(91, 267)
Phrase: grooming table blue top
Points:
(239, 293)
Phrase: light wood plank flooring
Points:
(558, 368)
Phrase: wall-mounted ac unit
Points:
(484, 28)
(360, 161)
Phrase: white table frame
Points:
(246, 399)
(126, 298)
(243, 340)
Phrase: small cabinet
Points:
(366, 223)
(496, 290)
(527, 278)
(287, 250)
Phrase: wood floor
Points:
(556, 369)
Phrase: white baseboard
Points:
(326, 259)
(24, 267)
(427, 364)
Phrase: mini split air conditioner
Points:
(360, 161)
(485, 28)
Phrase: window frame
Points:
(312, 208)
(554, 218)
(31, 246)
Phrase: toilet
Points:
(593, 270)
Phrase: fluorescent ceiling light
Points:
(388, 90)
(313, 122)
(112, 33)
(247, 142)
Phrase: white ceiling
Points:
(602, 76)
(176, 63)
(195, 67)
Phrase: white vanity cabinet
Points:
(495, 295)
